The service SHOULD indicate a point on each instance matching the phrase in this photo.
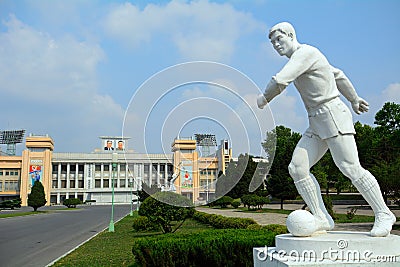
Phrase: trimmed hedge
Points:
(72, 202)
(222, 222)
(142, 223)
(276, 228)
(232, 247)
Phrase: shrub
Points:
(351, 213)
(156, 209)
(252, 200)
(37, 198)
(236, 204)
(222, 222)
(142, 223)
(276, 228)
(205, 248)
(223, 202)
(10, 204)
(72, 202)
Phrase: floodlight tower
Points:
(205, 141)
(11, 139)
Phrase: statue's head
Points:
(285, 28)
(283, 39)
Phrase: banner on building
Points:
(186, 174)
(35, 173)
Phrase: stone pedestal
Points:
(334, 248)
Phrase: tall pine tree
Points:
(37, 198)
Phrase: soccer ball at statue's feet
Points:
(301, 223)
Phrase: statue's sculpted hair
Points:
(283, 27)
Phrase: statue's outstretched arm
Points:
(346, 88)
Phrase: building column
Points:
(166, 175)
(59, 181)
(150, 174)
(76, 174)
(101, 175)
(158, 174)
(68, 173)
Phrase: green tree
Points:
(388, 118)
(253, 200)
(37, 198)
(147, 191)
(239, 175)
(165, 208)
(279, 183)
(379, 148)
(234, 172)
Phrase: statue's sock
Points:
(310, 191)
(370, 190)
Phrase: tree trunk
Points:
(281, 203)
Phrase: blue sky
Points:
(71, 69)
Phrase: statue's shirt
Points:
(315, 79)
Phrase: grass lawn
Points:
(115, 249)
(25, 213)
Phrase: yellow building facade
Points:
(89, 176)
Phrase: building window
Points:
(55, 168)
(71, 183)
(97, 183)
(53, 199)
(80, 184)
(106, 183)
(72, 168)
(122, 183)
(122, 167)
(63, 168)
(1, 186)
(97, 168)
(11, 186)
(81, 168)
(55, 184)
(106, 168)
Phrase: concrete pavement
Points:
(38, 240)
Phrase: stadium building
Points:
(92, 176)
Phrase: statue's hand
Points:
(261, 101)
(360, 106)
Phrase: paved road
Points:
(38, 240)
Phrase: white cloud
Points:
(199, 29)
(392, 93)
(54, 80)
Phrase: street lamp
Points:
(131, 186)
(137, 180)
(114, 167)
